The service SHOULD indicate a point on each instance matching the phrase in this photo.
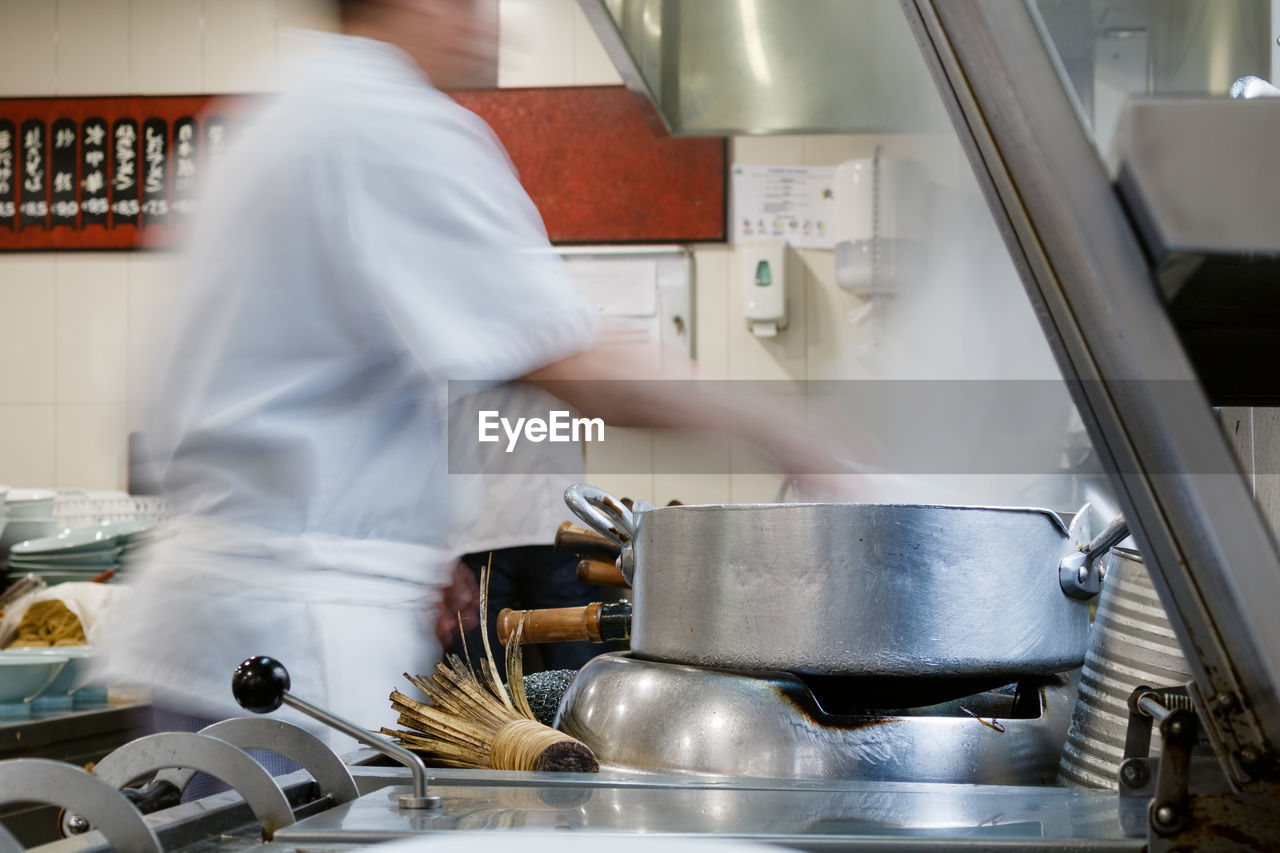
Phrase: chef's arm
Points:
(657, 397)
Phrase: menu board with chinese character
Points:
(33, 204)
(125, 173)
(8, 137)
(103, 173)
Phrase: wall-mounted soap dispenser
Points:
(764, 287)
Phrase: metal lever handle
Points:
(261, 685)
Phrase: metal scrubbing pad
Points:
(544, 691)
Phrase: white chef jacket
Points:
(524, 492)
(364, 241)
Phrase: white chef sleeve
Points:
(449, 243)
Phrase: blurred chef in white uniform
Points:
(364, 241)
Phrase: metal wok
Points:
(858, 591)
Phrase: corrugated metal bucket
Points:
(1131, 643)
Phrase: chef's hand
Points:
(460, 598)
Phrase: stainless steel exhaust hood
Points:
(731, 67)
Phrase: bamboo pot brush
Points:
(475, 721)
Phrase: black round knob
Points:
(259, 684)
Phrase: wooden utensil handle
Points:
(557, 625)
(595, 622)
(601, 574)
(585, 543)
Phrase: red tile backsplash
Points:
(598, 172)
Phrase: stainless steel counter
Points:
(806, 815)
(817, 816)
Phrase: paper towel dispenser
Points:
(882, 219)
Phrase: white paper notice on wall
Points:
(644, 294)
(619, 288)
(792, 203)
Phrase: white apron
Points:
(346, 617)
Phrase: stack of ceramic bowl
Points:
(28, 514)
(77, 554)
(70, 679)
(25, 676)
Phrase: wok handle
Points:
(1117, 531)
(601, 574)
(1078, 574)
(596, 623)
(585, 543)
(602, 512)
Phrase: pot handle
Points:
(1078, 573)
(601, 574)
(602, 512)
(593, 623)
(585, 543)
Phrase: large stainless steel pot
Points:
(877, 591)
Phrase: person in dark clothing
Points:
(531, 577)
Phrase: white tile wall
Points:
(678, 451)
(536, 42)
(623, 464)
(750, 481)
(27, 47)
(768, 150)
(91, 446)
(1237, 423)
(711, 306)
(28, 329)
(829, 150)
(307, 15)
(550, 43)
(293, 19)
(93, 38)
(1254, 434)
(93, 334)
(834, 335)
(153, 280)
(239, 46)
(591, 63)
(166, 46)
(1266, 461)
(27, 444)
